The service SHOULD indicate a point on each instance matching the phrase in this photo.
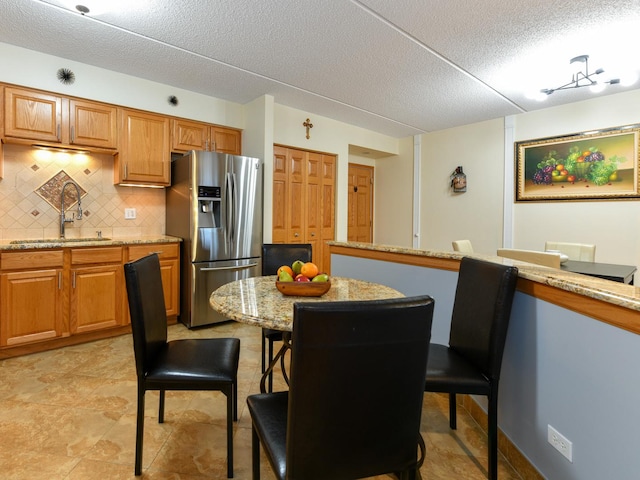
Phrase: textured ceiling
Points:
(400, 67)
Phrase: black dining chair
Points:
(275, 255)
(354, 402)
(187, 364)
(471, 363)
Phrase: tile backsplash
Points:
(30, 203)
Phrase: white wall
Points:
(476, 214)
(393, 194)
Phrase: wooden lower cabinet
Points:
(31, 306)
(168, 255)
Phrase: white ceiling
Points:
(401, 67)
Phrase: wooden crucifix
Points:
(307, 125)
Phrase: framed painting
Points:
(601, 165)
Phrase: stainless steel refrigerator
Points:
(215, 205)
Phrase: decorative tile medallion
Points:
(52, 189)
(35, 167)
(35, 213)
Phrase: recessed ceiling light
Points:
(82, 9)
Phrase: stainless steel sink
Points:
(60, 240)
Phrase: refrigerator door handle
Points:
(235, 267)
(230, 208)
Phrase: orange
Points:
(286, 268)
(309, 270)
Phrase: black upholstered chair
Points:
(355, 396)
(274, 255)
(189, 364)
(471, 363)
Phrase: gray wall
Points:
(560, 368)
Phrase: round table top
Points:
(257, 301)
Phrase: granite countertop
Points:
(30, 244)
(256, 300)
(620, 294)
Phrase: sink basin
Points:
(60, 240)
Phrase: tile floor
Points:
(69, 414)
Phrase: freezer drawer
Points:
(207, 277)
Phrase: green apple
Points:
(297, 266)
(321, 277)
(285, 277)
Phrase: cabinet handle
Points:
(313, 234)
(213, 146)
(296, 234)
(125, 171)
(73, 134)
(59, 280)
(58, 132)
(73, 280)
(206, 145)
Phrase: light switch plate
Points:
(129, 213)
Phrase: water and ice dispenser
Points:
(209, 202)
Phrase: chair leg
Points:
(161, 408)
(230, 400)
(235, 400)
(139, 431)
(270, 388)
(453, 424)
(264, 351)
(492, 427)
(255, 453)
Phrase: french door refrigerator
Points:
(214, 204)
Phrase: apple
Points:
(301, 278)
(297, 266)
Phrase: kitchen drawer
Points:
(164, 250)
(84, 256)
(24, 260)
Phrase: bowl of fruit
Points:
(302, 279)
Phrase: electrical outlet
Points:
(560, 443)
(129, 213)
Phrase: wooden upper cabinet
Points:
(188, 135)
(33, 115)
(92, 124)
(49, 118)
(144, 156)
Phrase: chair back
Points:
(274, 255)
(147, 308)
(481, 312)
(547, 259)
(582, 252)
(463, 246)
(356, 389)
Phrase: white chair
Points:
(463, 246)
(582, 252)
(532, 256)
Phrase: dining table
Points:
(257, 301)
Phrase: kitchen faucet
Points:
(63, 218)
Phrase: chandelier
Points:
(582, 78)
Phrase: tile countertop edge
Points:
(619, 294)
(6, 245)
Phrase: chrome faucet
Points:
(63, 218)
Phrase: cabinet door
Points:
(96, 298)
(144, 156)
(328, 183)
(30, 306)
(33, 115)
(170, 271)
(92, 124)
(189, 136)
(226, 140)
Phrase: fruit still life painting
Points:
(588, 166)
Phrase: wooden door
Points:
(92, 124)
(280, 195)
(32, 115)
(296, 198)
(360, 204)
(327, 195)
(313, 205)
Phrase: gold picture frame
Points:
(599, 165)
